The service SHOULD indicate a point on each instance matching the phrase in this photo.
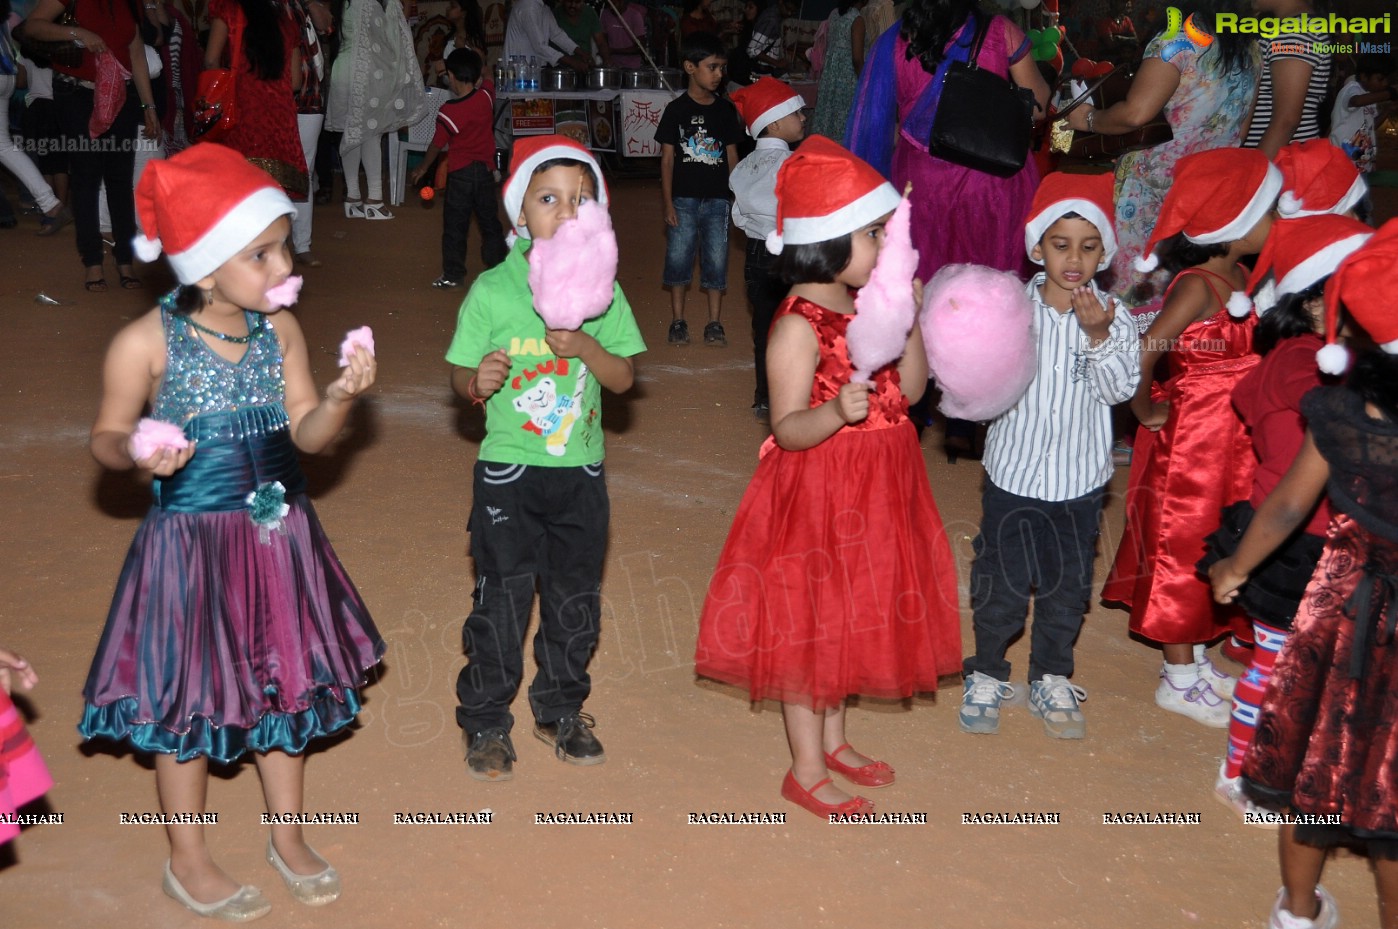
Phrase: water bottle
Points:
(533, 73)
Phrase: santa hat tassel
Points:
(1239, 305)
(146, 249)
(1148, 262)
(1332, 359)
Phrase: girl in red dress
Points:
(1192, 454)
(1327, 733)
(837, 577)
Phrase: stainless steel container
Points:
(559, 79)
(604, 79)
(673, 77)
(637, 79)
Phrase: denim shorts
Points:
(704, 228)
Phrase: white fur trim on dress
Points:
(1332, 359)
(1239, 305)
(1038, 224)
(1240, 225)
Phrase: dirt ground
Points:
(681, 447)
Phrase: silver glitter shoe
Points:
(310, 889)
(245, 905)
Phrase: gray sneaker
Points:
(1054, 699)
(490, 755)
(980, 703)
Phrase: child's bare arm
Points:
(479, 384)
(792, 356)
(315, 421)
(135, 362)
(428, 159)
(667, 184)
(912, 367)
(1188, 301)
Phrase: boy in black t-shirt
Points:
(699, 134)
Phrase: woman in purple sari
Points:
(959, 214)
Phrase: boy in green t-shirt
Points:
(540, 509)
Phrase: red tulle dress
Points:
(1182, 477)
(1327, 731)
(837, 577)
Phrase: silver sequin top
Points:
(197, 381)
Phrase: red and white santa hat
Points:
(202, 207)
(1317, 178)
(824, 191)
(1302, 252)
(1216, 197)
(765, 101)
(1364, 284)
(1088, 195)
(529, 154)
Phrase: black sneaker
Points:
(572, 739)
(490, 755)
(679, 332)
(714, 335)
(445, 283)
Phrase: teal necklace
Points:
(225, 337)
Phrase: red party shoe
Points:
(854, 806)
(873, 774)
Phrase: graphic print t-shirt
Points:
(549, 411)
(1352, 128)
(701, 135)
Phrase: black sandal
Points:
(98, 286)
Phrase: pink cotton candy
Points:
(978, 327)
(153, 435)
(355, 338)
(285, 293)
(885, 309)
(573, 274)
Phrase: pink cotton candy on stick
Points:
(356, 338)
(885, 309)
(978, 327)
(153, 435)
(285, 293)
(573, 274)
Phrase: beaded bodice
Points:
(198, 381)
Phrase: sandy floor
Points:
(681, 448)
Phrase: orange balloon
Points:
(427, 193)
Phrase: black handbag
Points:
(982, 121)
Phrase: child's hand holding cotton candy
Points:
(573, 274)
(285, 293)
(363, 337)
(886, 309)
(978, 328)
(160, 446)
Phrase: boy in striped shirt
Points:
(1048, 461)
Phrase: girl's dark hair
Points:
(816, 263)
(700, 45)
(1236, 48)
(474, 23)
(262, 39)
(929, 24)
(1178, 253)
(188, 298)
(1375, 378)
(1288, 319)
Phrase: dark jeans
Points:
(1031, 546)
(471, 190)
(765, 293)
(110, 158)
(532, 526)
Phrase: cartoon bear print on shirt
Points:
(550, 415)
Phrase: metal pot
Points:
(604, 79)
(559, 79)
(637, 79)
(673, 77)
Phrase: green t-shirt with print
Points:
(549, 411)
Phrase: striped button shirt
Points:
(1056, 443)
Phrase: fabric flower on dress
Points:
(267, 507)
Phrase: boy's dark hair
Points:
(1178, 253)
(1370, 63)
(465, 65)
(1375, 378)
(700, 45)
(567, 163)
(816, 263)
(1287, 320)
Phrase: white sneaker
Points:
(1229, 791)
(1327, 918)
(1197, 701)
(1222, 683)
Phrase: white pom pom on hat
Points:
(824, 191)
(1332, 359)
(1147, 263)
(147, 249)
(1239, 305)
(774, 242)
(1318, 178)
(1362, 284)
(1288, 205)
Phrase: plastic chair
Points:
(418, 138)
